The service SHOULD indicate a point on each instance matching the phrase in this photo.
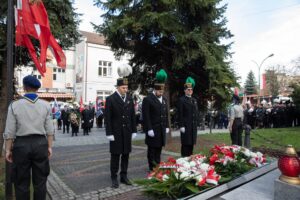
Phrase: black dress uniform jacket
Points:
(155, 117)
(120, 122)
(188, 117)
(85, 117)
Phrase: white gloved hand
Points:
(167, 130)
(111, 138)
(151, 133)
(182, 130)
(133, 135)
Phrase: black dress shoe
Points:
(125, 180)
(115, 183)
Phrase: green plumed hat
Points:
(189, 83)
(160, 80)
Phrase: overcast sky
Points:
(260, 28)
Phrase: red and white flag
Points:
(32, 20)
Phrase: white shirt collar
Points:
(121, 96)
(159, 98)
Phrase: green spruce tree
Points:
(182, 37)
(250, 84)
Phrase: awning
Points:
(56, 95)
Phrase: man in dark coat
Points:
(65, 113)
(85, 120)
(188, 119)
(155, 123)
(120, 129)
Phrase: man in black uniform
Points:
(155, 120)
(85, 120)
(65, 113)
(120, 129)
(188, 119)
(28, 141)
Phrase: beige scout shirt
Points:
(236, 111)
(27, 118)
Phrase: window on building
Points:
(101, 94)
(105, 68)
(59, 74)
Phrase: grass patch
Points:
(266, 140)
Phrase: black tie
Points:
(123, 97)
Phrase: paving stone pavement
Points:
(80, 167)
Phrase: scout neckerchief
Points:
(31, 97)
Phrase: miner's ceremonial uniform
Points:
(155, 124)
(188, 119)
(28, 124)
(120, 123)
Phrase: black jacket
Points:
(120, 122)
(188, 117)
(85, 118)
(155, 117)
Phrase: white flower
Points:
(185, 175)
(176, 175)
(227, 159)
(204, 166)
(199, 178)
(247, 152)
(192, 164)
(260, 155)
(253, 155)
(165, 177)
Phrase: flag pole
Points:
(9, 78)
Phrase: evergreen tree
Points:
(182, 37)
(250, 84)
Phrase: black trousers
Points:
(115, 163)
(86, 131)
(66, 125)
(30, 154)
(59, 124)
(237, 130)
(186, 150)
(153, 155)
(75, 129)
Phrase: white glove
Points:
(82, 121)
(151, 133)
(182, 130)
(167, 130)
(111, 138)
(133, 135)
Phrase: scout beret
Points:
(31, 82)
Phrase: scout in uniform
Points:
(236, 121)
(120, 129)
(28, 141)
(188, 118)
(155, 120)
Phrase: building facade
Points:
(95, 68)
(57, 83)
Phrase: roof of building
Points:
(94, 38)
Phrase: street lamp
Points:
(259, 66)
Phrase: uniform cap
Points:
(31, 82)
